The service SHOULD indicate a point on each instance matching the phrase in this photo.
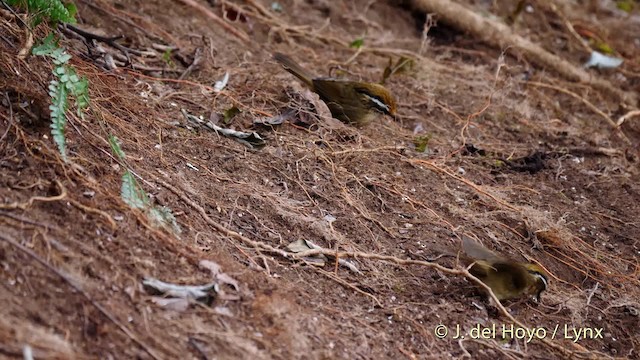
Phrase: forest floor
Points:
(487, 143)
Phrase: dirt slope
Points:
(516, 156)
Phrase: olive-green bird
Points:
(508, 279)
(352, 102)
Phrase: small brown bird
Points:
(507, 279)
(352, 102)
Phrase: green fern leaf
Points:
(131, 192)
(115, 147)
(79, 88)
(48, 45)
(58, 108)
(163, 216)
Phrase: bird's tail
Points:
(293, 67)
(476, 251)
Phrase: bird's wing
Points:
(331, 90)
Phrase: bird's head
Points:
(540, 280)
(377, 97)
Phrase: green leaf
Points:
(626, 5)
(166, 57)
(163, 216)
(229, 114)
(603, 47)
(115, 147)
(53, 11)
(62, 58)
(131, 192)
(80, 91)
(49, 44)
(421, 142)
(357, 43)
(66, 82)
(134, 196)
(72, 10)
(58, 108)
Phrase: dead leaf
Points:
(219, 276)
(194, 292)
(223, 310)
(174, 304)
(301, 246)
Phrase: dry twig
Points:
(501, 36)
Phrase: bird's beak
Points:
(538, 296)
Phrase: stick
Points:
(501, 36)
(208, 13)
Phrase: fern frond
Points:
(115, 147)
(47, 46)
(53, 11)
(131, 192)
(163, 216)
(68, 82)
(58, 107)
(79, 88)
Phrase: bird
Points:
(508, 279)
(352, 102)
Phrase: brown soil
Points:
(530, 170)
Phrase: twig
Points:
(407, 353)
(27, 221)
(94, 211)
(569, 26)
(237, 33)
(342, 262)
(500, 35)
(344, 283)
(464, 350)
(232, 234)
(463, 180)
(353, 57)
(626, 116)
(91, 36)
(590, 105)
(363, 255)
(194, 342)
(387, 258)
(593, 291)
(24, 24)
(134, 20)
(23, 206)
(6, 95)
(107, 40)
(378, 149)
